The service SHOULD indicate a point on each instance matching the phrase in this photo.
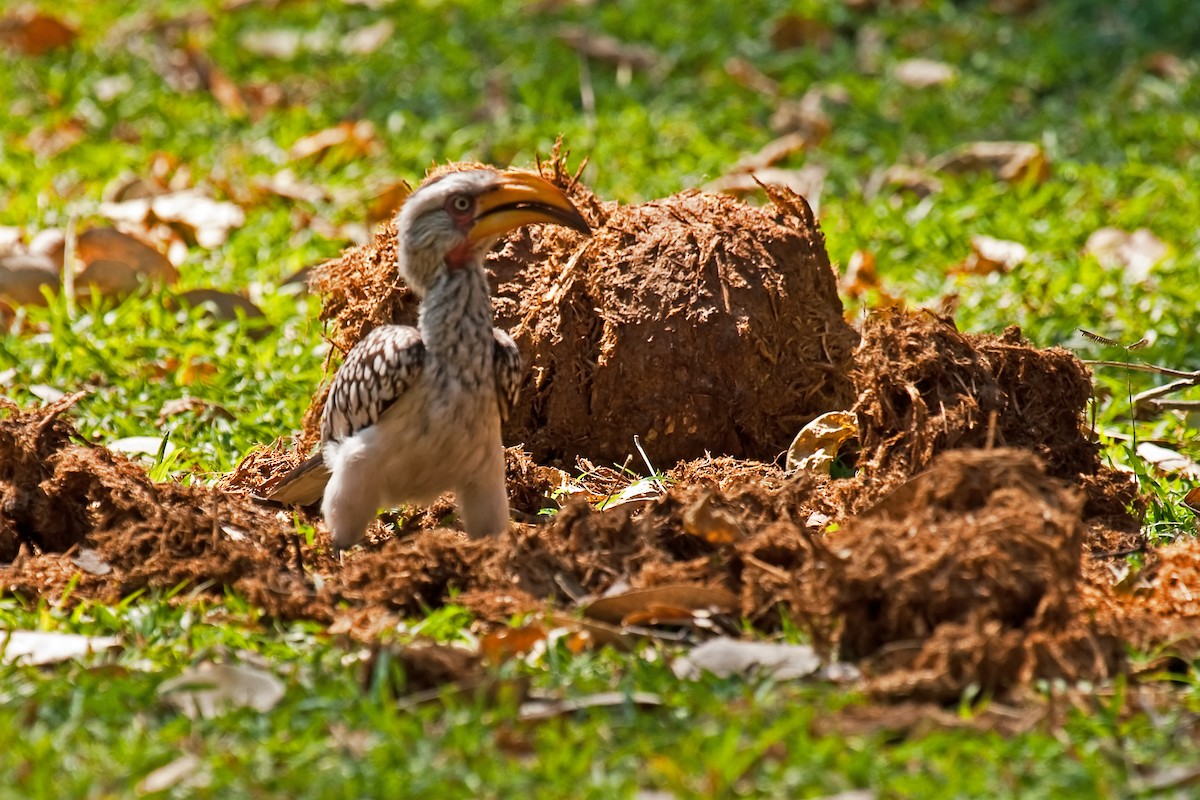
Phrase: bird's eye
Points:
(460, 203)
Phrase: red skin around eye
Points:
(460, 255)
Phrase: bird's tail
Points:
(302, 486)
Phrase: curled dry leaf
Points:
(808, 181)
(222, 305)
(368, 39)
(1009, 161)
(506, 643)
(116, 264)
(707, 520)
(910, 179)
(696, 599)
(359, 136)
(1137, 253)
(816, 445)
(793, 30)
(185, 771)
(1192, 500)
(724, 657)
(610, 49)
(922, 73)
(33, 34)
(1168, 461)
(771, 153)
(543, 709)
(990, 255)
(387, 200)
(206, 220)
(212, 689)
(24, 276)
(49, 647)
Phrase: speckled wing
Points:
(376, 372)
(507, 365)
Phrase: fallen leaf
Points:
(184, 771)
(47, 394)
(209, 690)
(808, 115)
(922, 73)
(49, 141)
(24, 276)
(817, 444)
(1169, 66)
(141, 446)
(748, 76)
(1192, 500)
(615, 608)
(1137, 253)
(387, 200)
(110, 245)
(507, 643)
(714, 524)
(33, 34)
(208, 220)
(359, 136)
(724, 657)
(990, 255)
(538, 710)
(1168, 461)
(286, 184)
(368, 39)
(222, 305)
(609, 49)
(91, 562)
(792, 30)
(917, 181)
(771, 153)
(49, 647)
(808, 181)
(1009, 161)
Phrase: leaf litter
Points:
(956, 556)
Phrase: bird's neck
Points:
(456, 316)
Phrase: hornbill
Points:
(415, 412)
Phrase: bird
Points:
(415, 412)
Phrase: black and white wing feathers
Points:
(508, 368)
(376, 372)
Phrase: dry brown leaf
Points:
(1192, 500)
(610, 49)
(615, 608)
(793, 30)
(209, 690)
(660, 615)
(387, 200)
(222, 305)
(33, 34)
(23, 276)
(817, 444)
(917, 181)
(507, 643)
(358, 136)
(538, 710)
(712, 523)
(748, 76)
(772, 153)
(109, 244)
(990, 255)
(209, 221)
(286, 184)
(808, 181)
(47, 142)
(922, 73)
(724, 657)
(1009, 161)
(368, 39)
(191, 405)
(49, 647)
(808, 115)
(1137, 253)
(1168, 461)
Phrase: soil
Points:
(978, 544)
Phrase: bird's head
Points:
(451, 221)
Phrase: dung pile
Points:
(966, 575)
(697, 322)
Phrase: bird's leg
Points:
(483, 502)
(351, 502)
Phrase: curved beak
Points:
(522, 198)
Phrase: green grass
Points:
(1071, 76)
